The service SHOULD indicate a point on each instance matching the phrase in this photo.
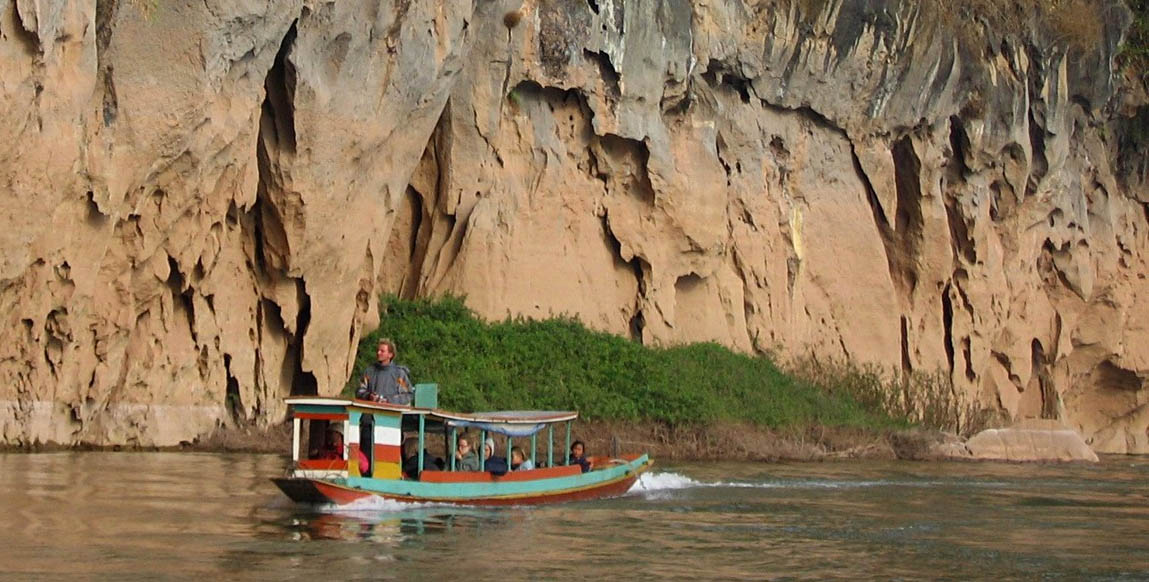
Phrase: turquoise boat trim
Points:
(486, 490)
(389, 420)
(313, 409)
(427, 395)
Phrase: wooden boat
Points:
(378, 429)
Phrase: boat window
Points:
(315, 439)
(367, 440)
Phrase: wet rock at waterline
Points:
(1031, 441)
(1027, 441)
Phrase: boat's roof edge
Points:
(501, 416)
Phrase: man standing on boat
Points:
(385, 380)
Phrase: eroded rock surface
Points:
(866, 181)
(203, 200)
(197, 200)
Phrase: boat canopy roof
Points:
(516, 423)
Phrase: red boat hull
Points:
(318, 491)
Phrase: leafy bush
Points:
(558, 364)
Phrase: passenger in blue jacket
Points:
(578, 456)
(411, 459)
(494, 465)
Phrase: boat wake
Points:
(660, 481)
(653, 483)
(375, 504)
(666, 481)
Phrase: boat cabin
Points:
(348, 438)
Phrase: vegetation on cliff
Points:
(1134, 55)
(560, 364)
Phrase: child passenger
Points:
(578, 456)
(519, 461)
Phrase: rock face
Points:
(197, 197)
(203, 200)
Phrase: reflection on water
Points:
(177, 515)
(385, 524)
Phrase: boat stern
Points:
(300, 490)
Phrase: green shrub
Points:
(558, 364)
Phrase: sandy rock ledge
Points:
(1034, 440)
(1027, 441)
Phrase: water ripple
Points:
(145, 516)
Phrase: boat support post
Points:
(550, 445)
(295, 440)
(422, 425)
(482, 449)
(346, 443)
(454, 445)
(568, 449)
(534, 439)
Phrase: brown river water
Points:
(148, 516)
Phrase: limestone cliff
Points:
(204, 199)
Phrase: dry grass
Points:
(732, 442)
(1134, 56)
(249, 439)
(927, 399)
(1071, 23)
(245, 439)
(1076, 23)
(146, 7)
(713, 442)
(716, 442)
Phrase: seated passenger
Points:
(578, 456)
(465, 457)
(333, 448)
(519, 460)
(494, 465)
(411, 459)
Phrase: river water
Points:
(137, 516)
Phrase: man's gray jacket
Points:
(391, 382)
